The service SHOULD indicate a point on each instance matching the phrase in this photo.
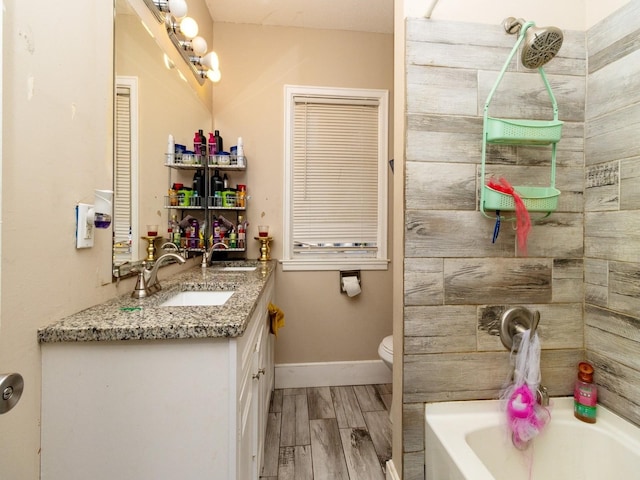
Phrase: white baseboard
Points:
(331, 374)
(392, 473)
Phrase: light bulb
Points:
(189, 27)
(211, 61)
(199, 46)
(178, 8)
(214, 75)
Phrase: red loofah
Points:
(523, 220)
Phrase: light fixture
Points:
(211, 61)
(208, 66)
(178, 8)
(183, 33)
(199, 46)
(214, 75)
(188, 27)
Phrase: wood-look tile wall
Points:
(456, 281)
(612, 210)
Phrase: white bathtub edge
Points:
(449, 455)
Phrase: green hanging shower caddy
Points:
(505, 131)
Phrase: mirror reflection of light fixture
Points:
(182, 32)
(168, 62)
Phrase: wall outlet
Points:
(84, 226)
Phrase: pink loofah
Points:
(525, 417)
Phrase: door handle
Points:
(11, 386)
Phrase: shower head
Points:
(541, 44)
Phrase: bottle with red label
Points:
(585, 394)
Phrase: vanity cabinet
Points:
(158, 409)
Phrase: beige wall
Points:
(322, 324)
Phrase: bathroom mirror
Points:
(154, 98)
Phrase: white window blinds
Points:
(122, 198)
(337, 188)
(335, 174)
(125, 199)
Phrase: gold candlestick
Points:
(265, 250)
(151, 248)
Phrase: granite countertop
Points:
(127, 318)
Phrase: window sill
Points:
(310, 264)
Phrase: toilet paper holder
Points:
(349, 273)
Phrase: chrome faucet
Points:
(170, 246)
(148, 283)
(207, 254)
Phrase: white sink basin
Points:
(197, 299)
(238, 269)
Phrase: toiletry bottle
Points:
(198, 182)
(171, 150)
(173, 197)
(218, 139)
(585, 394)
(170, 228)
(196, 143)
(175, 230)
(216, 181)
(225, 182)
(203, 144)
(194, 233)
(212, 145)
(241, 240)
(242, 196)
(240, 153)
(233, 239)
(216, 232)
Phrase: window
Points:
(335, 179)
(125, 204)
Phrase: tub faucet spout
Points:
(542, 396)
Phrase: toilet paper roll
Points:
(351, 286)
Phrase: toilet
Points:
(385, 351)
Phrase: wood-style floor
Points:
(328, 433)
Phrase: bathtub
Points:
(468, 441)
